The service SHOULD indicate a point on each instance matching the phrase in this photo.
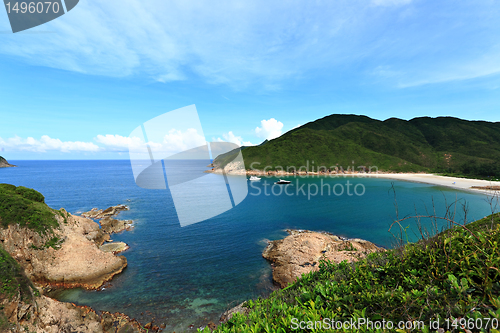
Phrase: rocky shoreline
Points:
(73, 255)
(67, 258)
(300, 253)
(237, 169)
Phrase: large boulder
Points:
(301, 252)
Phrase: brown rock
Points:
(301, 251)
(115, 247)
(231, 312)
(78, 262)
(98, 214)
(4, 163)
(211, 326)
(43, 314)
(109, 225)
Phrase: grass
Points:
(26, 207)
(451, 276)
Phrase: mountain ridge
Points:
(422, 144)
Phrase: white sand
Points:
(453, 182)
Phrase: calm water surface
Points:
(190, 275)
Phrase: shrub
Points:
(23, 206)
(30, 194)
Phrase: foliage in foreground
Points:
(451, 276)
(26, 207)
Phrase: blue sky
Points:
(76, 87)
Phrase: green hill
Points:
(442, 144)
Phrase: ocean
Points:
(183, 276)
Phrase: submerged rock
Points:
(301, 251)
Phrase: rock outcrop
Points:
(45, 315)
(231, 312)
(4, 163)
(69, 257)
(108, 223)
(301, 252)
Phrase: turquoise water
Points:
(190, 275)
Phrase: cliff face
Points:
(69, 257)
(41, 247)
(45, 315)
(4, 163)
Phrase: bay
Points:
(190, 275)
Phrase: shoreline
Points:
(464, 184)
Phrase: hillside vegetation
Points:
(442, 144)
(453, 278)
(26, 207)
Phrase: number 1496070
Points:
(32, 7)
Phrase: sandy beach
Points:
(465, 184)
(453, 182)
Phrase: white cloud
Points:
(262, 43)
(390, 2)
(270, 129)
(177, 141)
(118, 142)
(230, 137)
(226, 42)
(46, 143)
(173, 142)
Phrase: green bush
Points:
(452, 276)
(30, 194)
(23, 206)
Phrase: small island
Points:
(4, 163)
